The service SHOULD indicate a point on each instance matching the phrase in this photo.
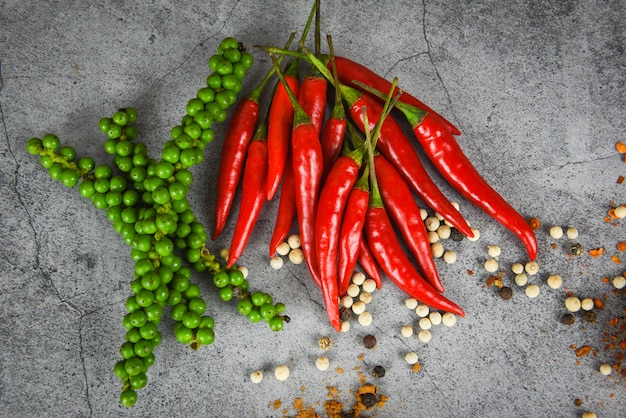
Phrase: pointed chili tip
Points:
(336, 323)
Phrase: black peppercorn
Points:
(368, 400)
(345, 313)
(379, 371)
(456, 235)
(568, 319)
(505, 292)
(589, 316)
(369, 341)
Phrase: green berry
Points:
(276, 323)
(120, 118)
(197, 305)
(133, 365)
(184, 335)
(138, 381)
(205, 336)
(221, 279)
(128, 398)
(51, 142)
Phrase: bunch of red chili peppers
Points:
(345, 192)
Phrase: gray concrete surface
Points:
(537, 89)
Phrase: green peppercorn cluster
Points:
(146, 201)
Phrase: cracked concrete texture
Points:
(537, 89)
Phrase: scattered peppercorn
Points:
(325, 343)
(577, 249)
(578, 402)
(568, 319)
(589, 316)
(379, 371)
(345, 313)
(505, 292)
(369, 341)
(368, 400)
(456, 235)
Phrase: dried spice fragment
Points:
(583, 351)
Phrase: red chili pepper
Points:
(280, 128)
(238, 136)
(351, 231)
(368, 262)
(396, 147)
(252, 193)
(286, 207)
(312, 97)
(397, 266)
(335, 127)
(350, 71)
(281, 118)
(330, 209)
(449, 159)
(405, 213)
(391, 257)
(307, 166)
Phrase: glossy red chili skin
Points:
(279, 133)
(350, 236)
(396, 147)
(307, 168)
(252, 198)
(238, 136)
(330, 210)
(391, 257)
(286, 208)
(312, 98)
(307, 172)
(368, 262)
(350, 71)
(449, 159)
(332, 140)
(405, 214)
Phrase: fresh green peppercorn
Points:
(128, 398)
(205, 336)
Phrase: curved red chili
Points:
(252, 194)
(280, 128)
(350, 71)
(307, 167)
(457, 169)
(405, 213)
(238, 135)
(396, 147)
(286, 207)
(330, 209)
(397, 266)
(351, 231)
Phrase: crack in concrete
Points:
(38, 266)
